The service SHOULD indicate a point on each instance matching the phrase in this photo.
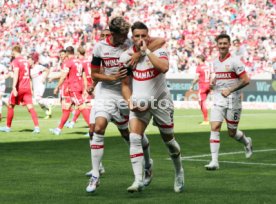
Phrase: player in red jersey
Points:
(86, 64)
(77, 85)
(203, 78)
(21, 89)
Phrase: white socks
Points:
(136, 156)
(240, 136)
(174, 150)
(97, 151)
(214, 145)
(146, 150)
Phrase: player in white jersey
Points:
(110, 105)
(148, 97)
(230, 77)
(96, 86)
(39, 75)
(4, 73)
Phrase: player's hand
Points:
(84, 94)
(14, 91)
(90, 90)
(191, 88)
(225, 92)
(134, 58)
(56, 91)
(143, 46)
(122, 72)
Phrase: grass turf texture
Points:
(50, 169)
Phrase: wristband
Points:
(147, 51)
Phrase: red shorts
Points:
(203, 92)
(24, 97)
(76, 98)
(64, 95)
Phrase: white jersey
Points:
(227, 73)
(37, 71)
(107, 55)
(3, 72)
(147, 82)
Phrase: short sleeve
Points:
(239, 67)
(161, 53)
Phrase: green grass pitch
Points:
(50, 169)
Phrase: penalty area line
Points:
(233, 162)
(227, 153)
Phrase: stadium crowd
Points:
(189, 26)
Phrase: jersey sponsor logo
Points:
(143, 75)
(226, 75)
(111, 62)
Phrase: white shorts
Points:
(232, 116)
(2, 88)
(39, 89)
(162, 116)
(111, 106)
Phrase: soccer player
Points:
(104, 34)
(230, 77)
(39, 74)
(4, 73)
(21, 89)
(203, 73)
(148, 96)
(109, 104)
(74, 74)
(87, 69)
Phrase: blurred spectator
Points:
(189, 27)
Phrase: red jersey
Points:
(204, 74)
(23, 67)
(73, 67)
(64, 86)
(86, 64)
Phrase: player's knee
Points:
(99, 130)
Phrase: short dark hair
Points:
(223, 36)
(62, 51)
(70, 50)
(139, 25)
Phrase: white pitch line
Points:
(232, 162)
(227, 153)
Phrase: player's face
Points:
(62, 56)
(140, 35)
(223, 46)
(104, 34)
(119, 38)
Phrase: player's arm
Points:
(161, 64)
(244, 79)
(127, 92)
(15, 80)
(61, 80)
(156, 43)
(194, 81)
(46, 72)
(96, 73)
